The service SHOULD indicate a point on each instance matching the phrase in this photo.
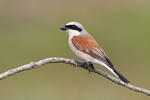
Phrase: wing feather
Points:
(88, 45)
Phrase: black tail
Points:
(121, 76)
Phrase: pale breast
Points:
(79, 53)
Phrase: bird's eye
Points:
(73, 27)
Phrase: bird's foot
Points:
(90, 67)
(76, 63)
(87, 65)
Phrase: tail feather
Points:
(120, 76)
(113, 70)
(116, 73)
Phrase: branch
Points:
(74, 63)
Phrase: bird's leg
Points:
(84, 63)
(90, 67)
(76, 63)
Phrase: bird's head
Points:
(74, 29)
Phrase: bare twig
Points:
(75, 63)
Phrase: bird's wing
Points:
(88, 44)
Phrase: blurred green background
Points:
(29, 31)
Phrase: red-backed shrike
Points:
(86, 47)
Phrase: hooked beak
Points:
(63, 28)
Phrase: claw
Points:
(90, 67)
(76, 63)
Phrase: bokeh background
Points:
(29, 31)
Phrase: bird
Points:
(87, 48)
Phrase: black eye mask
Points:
(73, 27)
